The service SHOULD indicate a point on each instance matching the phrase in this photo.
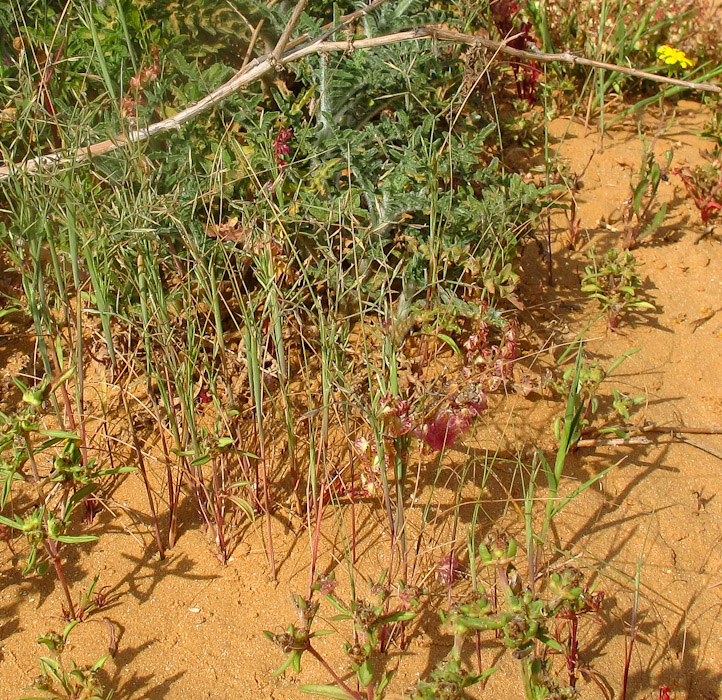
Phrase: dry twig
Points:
(635, 436)
(261, 66)
(280, 48)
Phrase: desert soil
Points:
(189, 627)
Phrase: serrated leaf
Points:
(654, 175)
(638, 195)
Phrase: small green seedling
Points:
(642, 215)
(56, 682)
(613, 281)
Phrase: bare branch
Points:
(569, 58)
(261, 66)
(288, 30)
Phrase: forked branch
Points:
(266, 64)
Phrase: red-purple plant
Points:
(704, 185)
(517, 32)
(395, 418)
(488, 368)
(575, 603)
(5, 536)
(280, 145)
(138, 84)
(493, 364)
(367, 453)
(449, 569)
(452, 420)
(505, 14)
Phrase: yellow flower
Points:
(674, 57)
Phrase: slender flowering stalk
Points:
(281, 147)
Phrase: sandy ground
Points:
(190, 628)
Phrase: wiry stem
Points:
(334, 675)
(51, 547)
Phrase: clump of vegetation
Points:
(526, 619)
(588, 377)
(704, 185)
(43, 491)
(613, 281)
(632, 31)
(326, 261)
(375, 623)
(58, 682)
(641, 214)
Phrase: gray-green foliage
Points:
(378, 146)
(386, 191)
